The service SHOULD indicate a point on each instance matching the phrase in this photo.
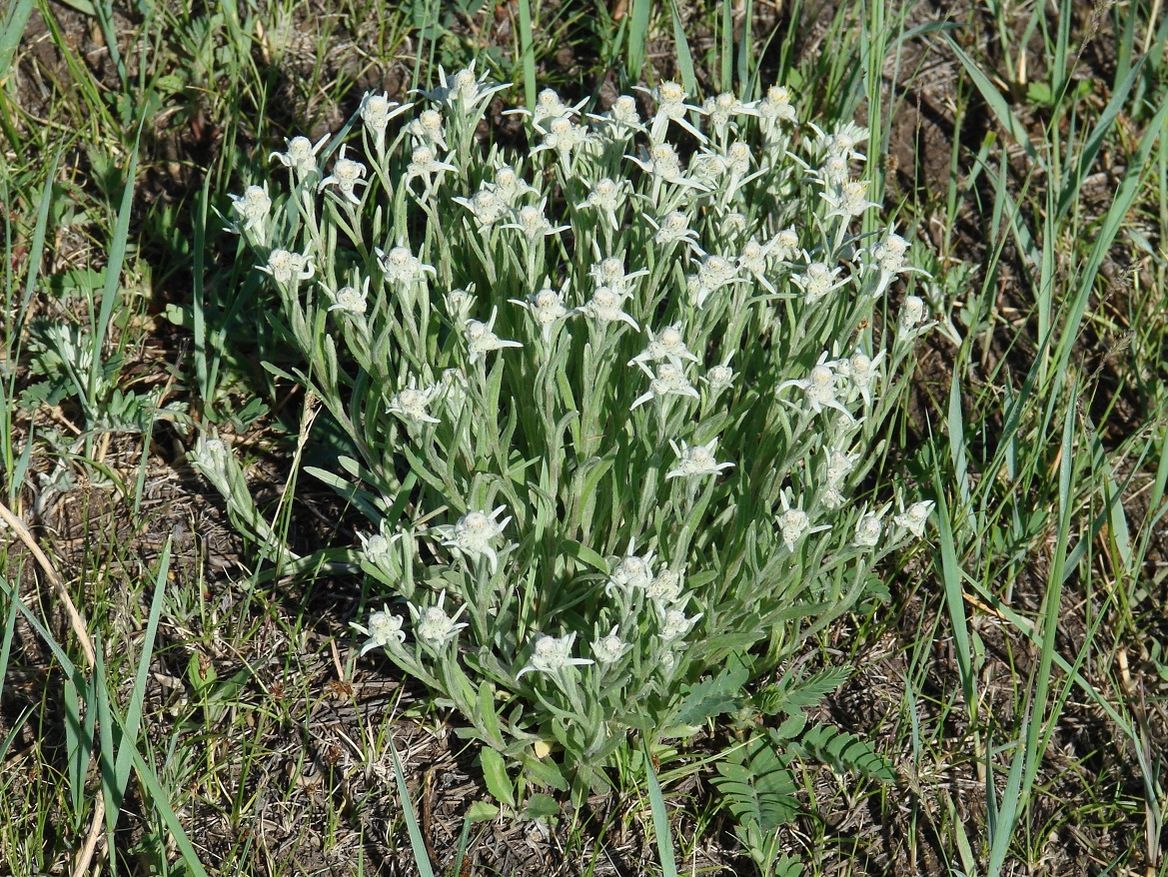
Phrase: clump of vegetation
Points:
(606, 403)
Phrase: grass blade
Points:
(138, 696)
(1095, 140)
(6, 643)
(14, 24)
(1055, 589)
(77, 747)
(113, 275)
(994, 100)
(664, 836)
(638, 36)
(951, 576)
(203, 376)
(101, 707)
(417, 842)
(1125, 195)
(37, 248)
(161, 803)
(527, 52)
(746, 56)
(109, 33)
(684, 58)
(726, 59)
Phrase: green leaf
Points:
(544, 772)
(756, 786)
(796, 692)
(791, 727)
(229, 688)
(201, 676)
(6, 643)
(540, 806)
(660, 820)
(77, 745)
(716, 696)
(846, 751)
(488, 716)
(113, 275)
(585, 555)
(133, 719)
(995, 100)
(161, 802)
(684, 58)
(495, 776)
(527, 51)
(11, 33)
(1039, 93)
(481, 811)
(638, 32)
(417, 843)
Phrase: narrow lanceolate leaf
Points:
(638, 29)
(11, 31)
(133, 718)
(995, 100)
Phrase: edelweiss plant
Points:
(607, 400)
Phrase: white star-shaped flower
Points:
(669, 380)
(411, 404)
(819, 388)
(481, 340)
(610, 648)
(553, 654)
(472, 535)
(670, 345)
(285, 266)
(401, 266)
(346, 176)
(915, 517)
(300, 155)
(794, 523)
(697, 461)
(383, 629)
(432, 626)
(606, 306)
(546, 308)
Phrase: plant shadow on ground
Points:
(284, 767)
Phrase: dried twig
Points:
(77, 622)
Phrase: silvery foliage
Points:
(608, 400)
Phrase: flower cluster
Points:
(606, 403)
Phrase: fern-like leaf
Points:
(844, 751)
(757, 787)
(796, 691)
